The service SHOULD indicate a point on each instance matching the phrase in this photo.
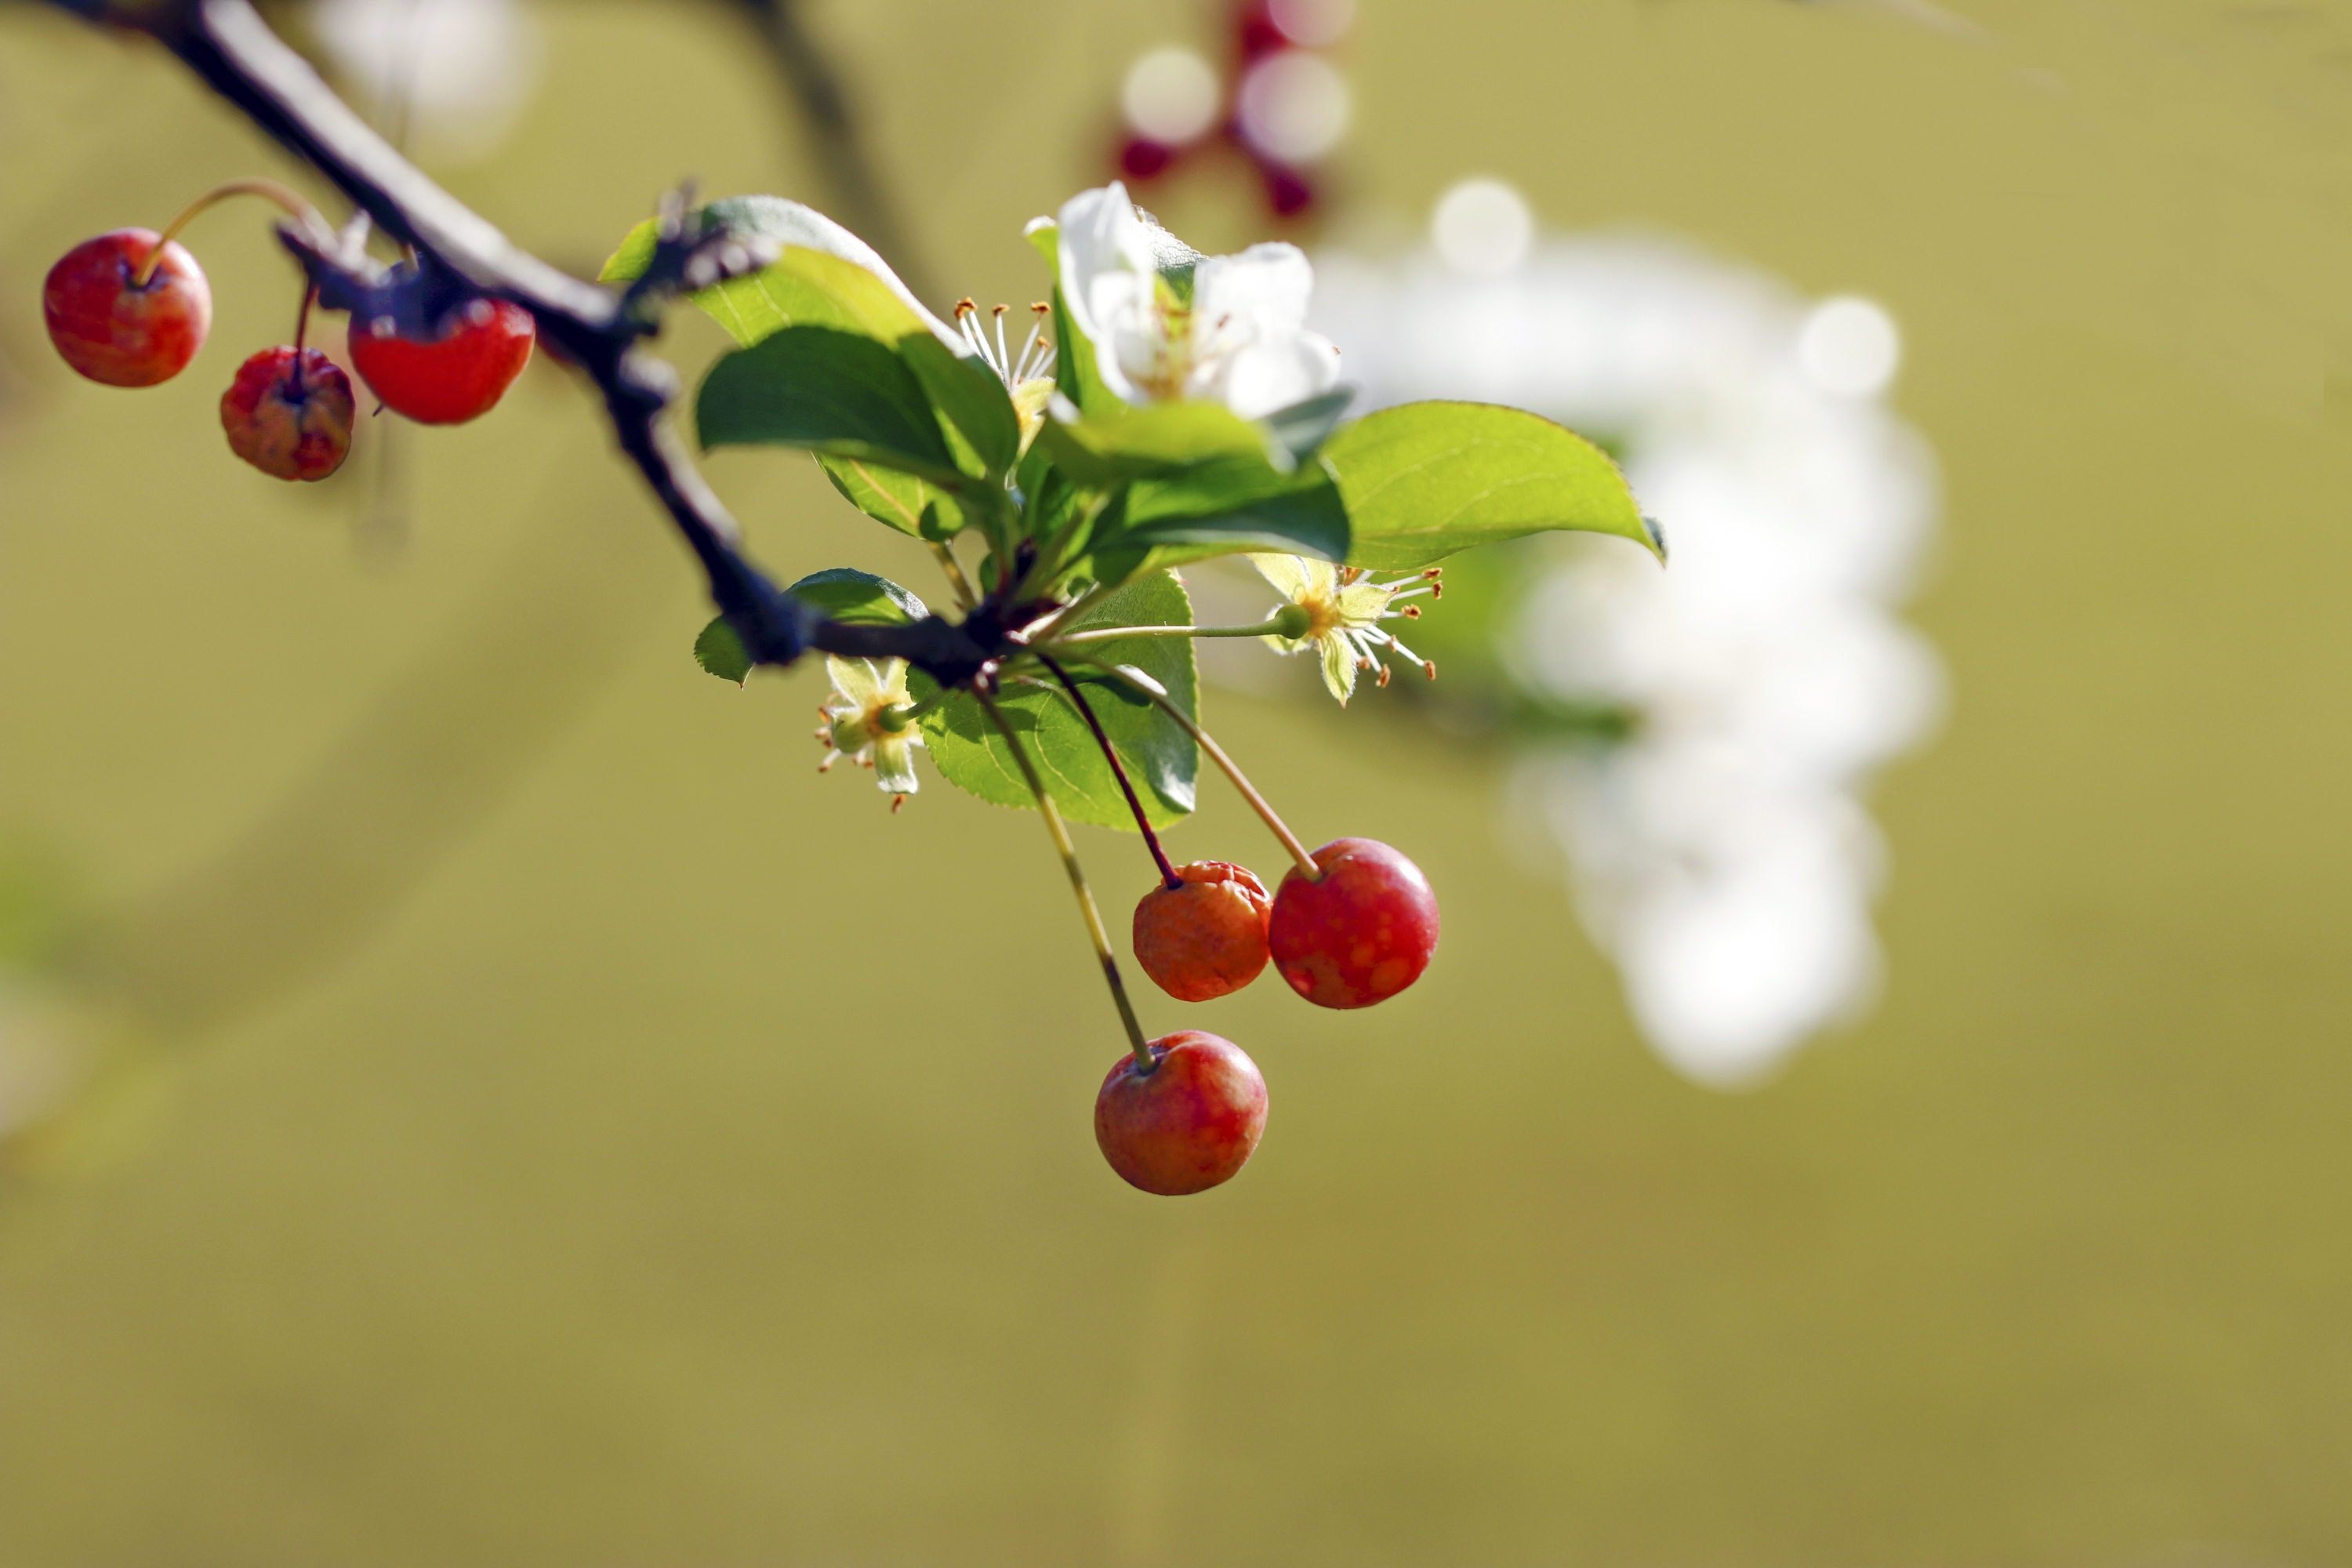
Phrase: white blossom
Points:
(1242, 338)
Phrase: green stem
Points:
(954, 569)
(1272, 629)
(1299, 851)
(908, 713)
(1144, 1059)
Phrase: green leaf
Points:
(859, 598)
(974, 411)
(1426, 479)
(904, 501)
(1303, 427)
(1160, 757)
(1103, 449)
(628, 264)
(804, 287)
(720, 651)
(1221, 507)
(831, 392)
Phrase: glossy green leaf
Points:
(859, 598)
(1303, 427)
(831, 392)
(1426, 479)
(1221, 507)
(1155, 439)
(720, 652)
(1160, 757)
(902, 500)
(974, 411)
(804, 287)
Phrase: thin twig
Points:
(1299, 851)
(1144, 1059)
(228, 43)
(1118, 770)
(818, 89)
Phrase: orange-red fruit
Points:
(118, 334)
(1362, 933)
(1189, 1123)
(459, 374)
(293, 421)
(1206, 937)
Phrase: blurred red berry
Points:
(458, 375)
(1287, 192)
(1142, 158)
(289, 414)
(115, 331)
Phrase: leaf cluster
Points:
(1082, 503)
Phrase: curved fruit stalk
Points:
(1186, 1123)
(1206, 937)
(112, 328)
(458, 375)
(1361, 933)
(288, 414)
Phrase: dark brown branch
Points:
(461, 255)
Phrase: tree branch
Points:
(461, 256)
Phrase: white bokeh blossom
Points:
(1723, 855)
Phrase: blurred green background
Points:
(546, 1124)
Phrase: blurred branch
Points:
(818, 89)
(462, 256)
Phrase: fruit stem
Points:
(1145, 1061)
(1118, 770)
(270, 190)
(954, 569)
(301, 331)
(1299, 851)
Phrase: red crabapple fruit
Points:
(1360, 935)
(288, 412)
(112, 328)
(459, 374)
(1189, 1123)
(1206, 937)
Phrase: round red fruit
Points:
(289, 414)
(1189, 1123)
(458, 375)
(119, 333)
(1361, 933)
(1206, 937)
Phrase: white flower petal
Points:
(1340, 667)
(1270, 374)
(855, 679)
(1109, 280)
(1295, 577)
(894, 765)
(1266, 285)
